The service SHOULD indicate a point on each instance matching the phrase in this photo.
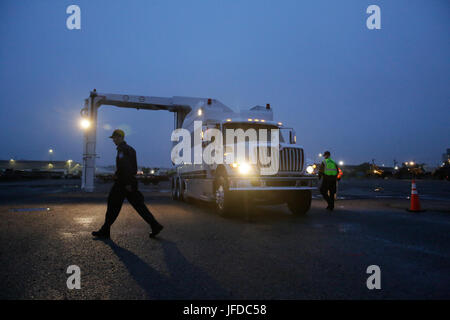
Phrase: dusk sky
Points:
(362, 94)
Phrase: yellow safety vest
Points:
(330, 168)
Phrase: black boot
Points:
(155, 230)
(102, 233)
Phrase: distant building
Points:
(34, 165)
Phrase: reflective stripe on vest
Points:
(330, 167)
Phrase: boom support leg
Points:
(89, 155)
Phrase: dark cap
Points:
(326, 153)
(118, 133)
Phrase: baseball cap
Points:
(118, 133)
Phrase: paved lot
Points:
(200, 255)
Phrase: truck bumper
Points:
(278, 183)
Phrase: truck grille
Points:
(291, 159)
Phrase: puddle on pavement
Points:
(70, 235)
(344, 227)
(28, 209)
(66, 234)
(86, 221)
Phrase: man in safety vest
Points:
(328, 171)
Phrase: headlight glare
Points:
(244, 168)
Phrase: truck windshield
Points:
(245, 126)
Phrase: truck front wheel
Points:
(299, 202)
(222, 196)
(175, 190)
(181, 195)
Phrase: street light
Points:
(85, 124)
(411, 163)
(69, 162)
(50, 152)
(341, 163)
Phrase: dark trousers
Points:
(328, 189)
(116, 196)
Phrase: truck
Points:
(229, 185)
(226, 184)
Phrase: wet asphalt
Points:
(200, 255)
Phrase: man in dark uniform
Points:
(328, 171)
(125, 186)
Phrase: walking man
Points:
(125, 186)
(328, 171)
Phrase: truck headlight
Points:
(310, 169)
(243, 168)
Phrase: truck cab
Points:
(229, 182)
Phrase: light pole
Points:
(50, 153)
(319, 156)
(69, 162)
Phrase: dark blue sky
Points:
(361, 93)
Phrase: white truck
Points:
(228, 184)
(224, 184)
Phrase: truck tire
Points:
(181, 189)
(175, 192)
(300, 202)
(222, 202)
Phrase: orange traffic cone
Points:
(415, 203)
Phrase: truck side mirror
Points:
(292, 137)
